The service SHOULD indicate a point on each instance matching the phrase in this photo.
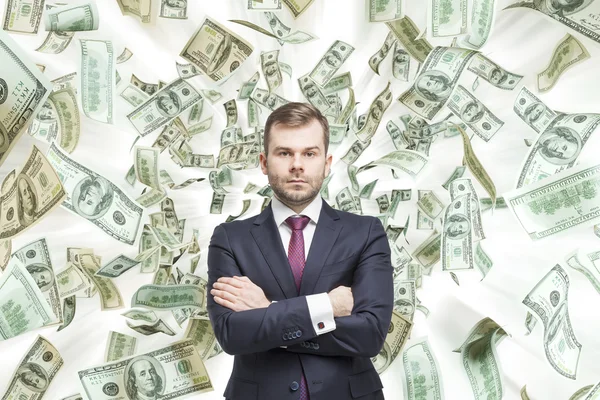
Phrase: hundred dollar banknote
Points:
(80, 15)
(95, 198)
(216, 50)
(31, 195)
(482, 17)
(385, 10)
(439, 75)
(548, 300)
(421, 371)
(169, 297)
(98, 79)
(581, 16)
(462, 186)
(558, 147)
(173, 9)
(297, 7)
(23, 16)
(36, 258)
(397, 336)
(409, 161)
(23, 92)
(110, 297)
(476, 115)
(376, 111)
(407, 33)
(558, 203)
(331, 62)
(533, 111)
(142, 9)
(264, 5)
(171, 372)
(35, 371)
(200, 331)
(568, 52)
(588, 265)
(457, 235)
(119, 346)
(23, 306)
(164, 106)
(117, 267)
(447, 17)
(493, 73)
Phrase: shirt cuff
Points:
(321, 313)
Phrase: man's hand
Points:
(239, 294)
(342, 301)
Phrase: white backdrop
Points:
(522, 42)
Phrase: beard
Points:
(312, 187)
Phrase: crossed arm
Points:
(244, 321)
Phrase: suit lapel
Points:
(326, 233)
(266, 235)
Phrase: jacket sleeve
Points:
(362, 333)
(284, 323)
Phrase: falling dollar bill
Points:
(463, 186)
(376, 110)
(397, 336)
(558, 147)
(331, 62)
(36, 258)
(385, 10)
(117, 267)
(216, 50)
(35, 372)
(80, 15)
(439, 75)
(169, 297)
(482, 20)
(31, 195)
(173, 9)
(549, 301)
(137, 8)
(493, 73)
(457, 235)
(23, 16)
(409, 161)
(422, 375)
(164, 106)
(95, 198)
(170, 372)
(98, 79)
(581, 16)
(23, 306)
(563, 201)
(568, 52)
(297, 7)
(472, 111)
(264, 5)
(533, 111)
(23, 92)
(119, 346)
(447, 17)
(407, 32)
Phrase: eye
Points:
(310, 152)
(282, 152)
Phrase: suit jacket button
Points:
(294, 386)
(285, 336)
(299, 333)
(316, 346)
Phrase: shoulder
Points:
(358, 221)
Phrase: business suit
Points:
(347, 249)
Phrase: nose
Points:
(297, 162)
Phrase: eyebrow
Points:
(287, 148)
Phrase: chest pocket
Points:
(343, 265)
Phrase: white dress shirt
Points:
(319, 305)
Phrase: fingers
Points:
(224, 303)
(223, 295)
(231, 281)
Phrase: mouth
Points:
(296, 181)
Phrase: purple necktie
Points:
(297, 260)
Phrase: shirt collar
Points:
(281, 212)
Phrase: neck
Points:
(297, 208)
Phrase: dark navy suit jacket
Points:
(347, 249)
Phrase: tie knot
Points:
(297, 223)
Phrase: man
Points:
(94, 197)
(143, 382)
(332, 305)
(27, 201)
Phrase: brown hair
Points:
(296, 114)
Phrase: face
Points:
(402, 58)
(536, 112)
(561, 147)
(168, 106)
(32, 379)
(470, 112)
(270, 69)
(294, 161)
(89, 200)
(333, 61)
(41, 278)
(496, 76)
(177, 3)
(376, 112)
(457, 227)
(431, 83)
(145, 377)
(26, 196)
(311, 91)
